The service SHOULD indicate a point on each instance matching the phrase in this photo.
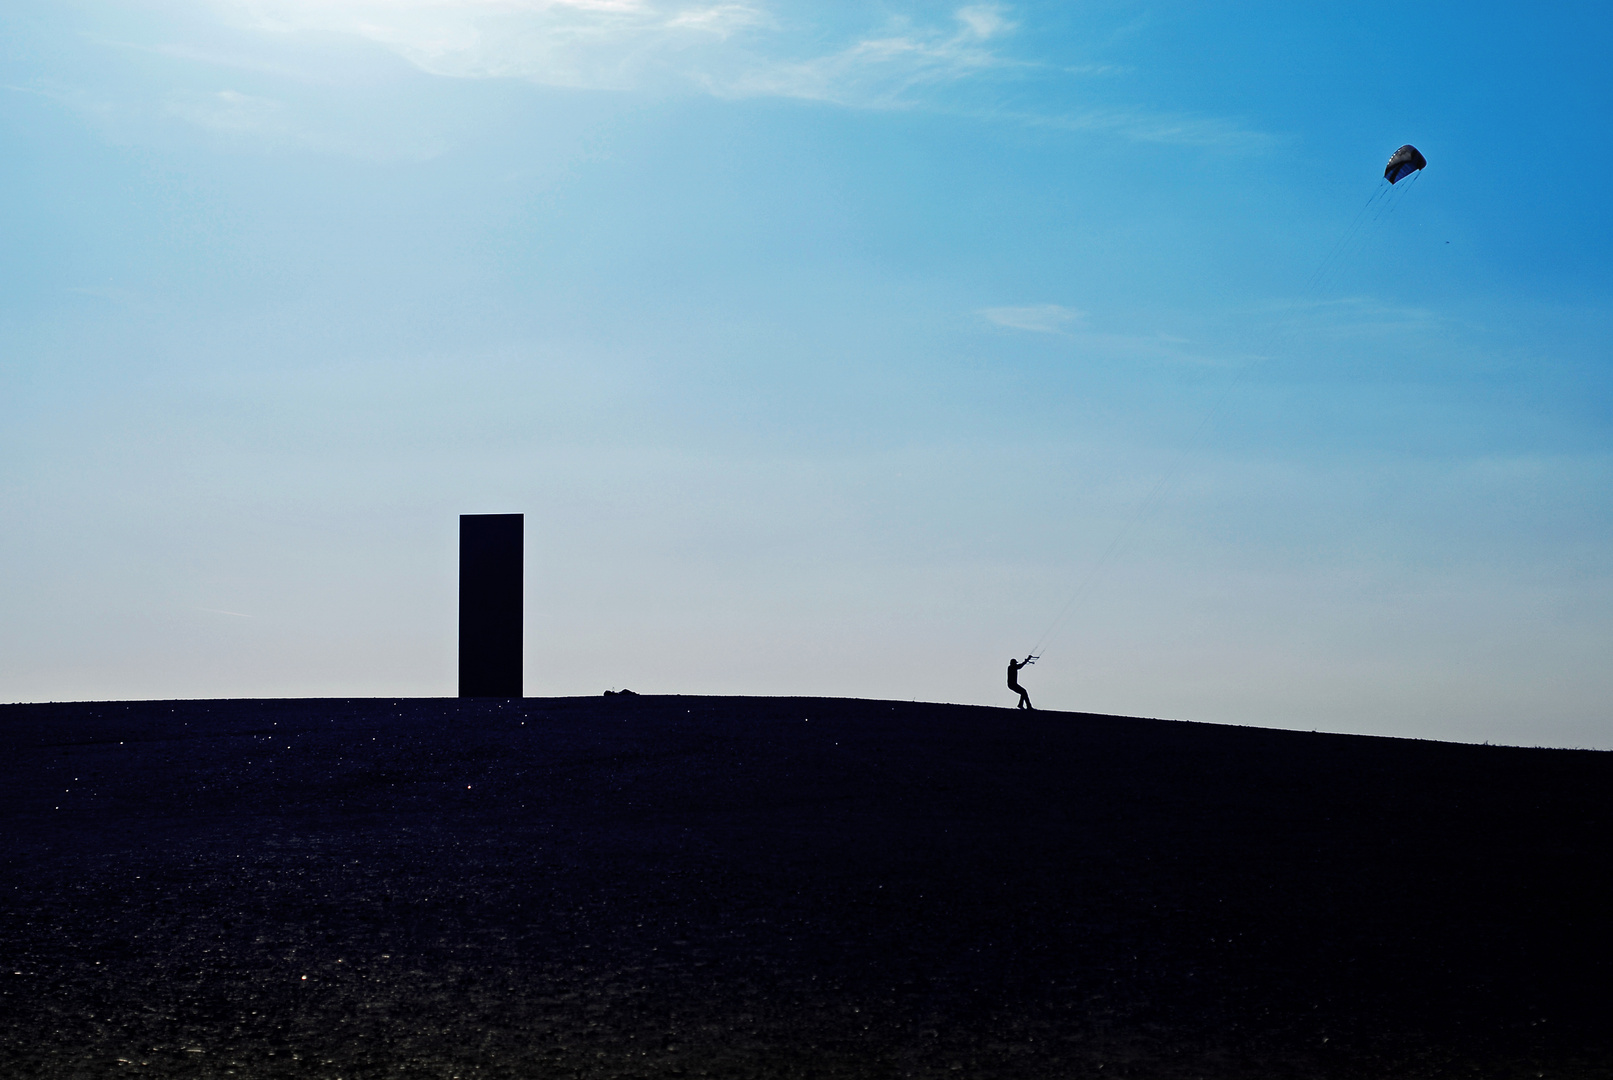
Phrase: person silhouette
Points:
(1013, 681)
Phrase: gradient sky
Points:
(826, 347)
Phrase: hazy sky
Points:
(827, 348)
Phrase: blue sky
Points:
(827, 349)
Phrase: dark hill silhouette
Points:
(684, 886)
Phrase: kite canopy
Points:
(1405, 161)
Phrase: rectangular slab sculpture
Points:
(490, 567)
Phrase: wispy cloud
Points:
(1149, 126)
(1352, 316)
(742, 49)
(1037, 318)
(252, 120)
(72, 97)
(258, 121)
(599, 44)
(881, 69)
(228, 112)
(221, 58)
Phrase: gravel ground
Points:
(787, 887)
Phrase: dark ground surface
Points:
(728, 887)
